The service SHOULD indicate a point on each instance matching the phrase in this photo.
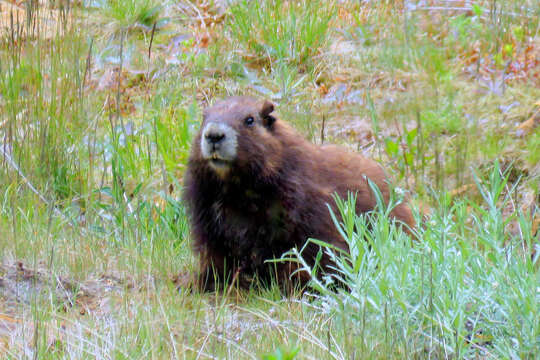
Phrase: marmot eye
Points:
(249, 120)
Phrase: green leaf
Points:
(477, 9)
(282, 353)
(391, 147)
(409, 158)
(411, 135)
(518, 32)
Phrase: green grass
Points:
(281, 31)
(97, 114)
(124, 14)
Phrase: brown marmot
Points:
(255, 188)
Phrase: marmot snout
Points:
(218, 145)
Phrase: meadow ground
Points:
(99, 100)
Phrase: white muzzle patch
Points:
(218, 144)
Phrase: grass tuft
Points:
(279, 31)
(125, 14)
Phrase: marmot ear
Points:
(265, 112)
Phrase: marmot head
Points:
(238, 132)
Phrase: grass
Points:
(280, 31)
(124, 14)
(97, 112)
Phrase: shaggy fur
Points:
(271, 197)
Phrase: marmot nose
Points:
(214, 137)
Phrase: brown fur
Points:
(273, 198)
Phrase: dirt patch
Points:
(19, 284)
(27, 293)
(355, 130)
(22, 286)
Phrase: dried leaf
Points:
(9, 319)
(204, 40)
(323, 90)
(8, 325)
(527, 127)
(462, 189)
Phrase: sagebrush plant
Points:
(281, 31)
(467, 288)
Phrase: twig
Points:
(234, 278)
(88, 65)
(14, 165)
(322, 128)
(151, 41)
(199, 15)
(468, 9)
(119, 82)
(149, 59)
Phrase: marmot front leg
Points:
(214, 272)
